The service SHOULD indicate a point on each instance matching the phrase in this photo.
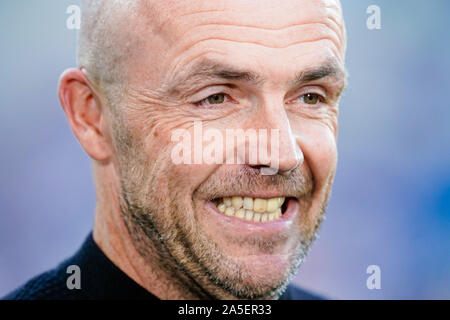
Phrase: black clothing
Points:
(100, 280)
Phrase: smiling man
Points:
(201, 230)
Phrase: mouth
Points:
(256, 210)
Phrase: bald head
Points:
(105, 43)
(113, 31)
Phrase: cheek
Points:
(179, 180)
(318, 144)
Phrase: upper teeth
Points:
(256, 209)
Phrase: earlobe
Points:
(84, 112)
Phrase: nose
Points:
(285, 154)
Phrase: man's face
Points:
(231, 65)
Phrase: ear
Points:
(83, 109)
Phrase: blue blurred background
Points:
(391, 199)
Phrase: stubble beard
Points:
(164, 232)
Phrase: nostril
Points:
(256, 169)
(264, 170)
(258, 166)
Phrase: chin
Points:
(251, 284)
(262, 276)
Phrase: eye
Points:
(214, 99)
(311, 98)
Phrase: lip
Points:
(241, 225)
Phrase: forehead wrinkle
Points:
(337, 20)
(304, 31)
(335, 14)
(170, 19)
(309, 31)
(327, 10)
(337, 27)
(216, 13)
(246, 9)
(330, 24)
(333, 41)
(280, 28)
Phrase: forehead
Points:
(255, 12)
(264, 15)
(250, 32)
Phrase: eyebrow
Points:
(211, 70)
(330, 68)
